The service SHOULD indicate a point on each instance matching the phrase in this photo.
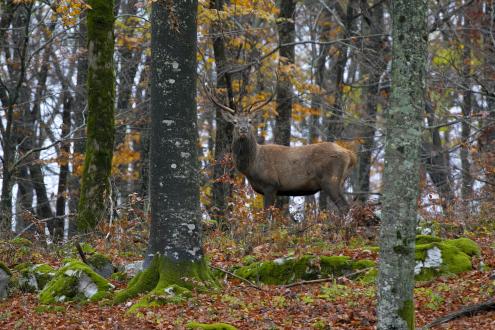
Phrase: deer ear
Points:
(228, 117)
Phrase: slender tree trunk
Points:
(286, 35)
(402, 160)
(374, 67)
(223, 138)
(78, 119)
(58, 225)
(129, 63)
(24, 198)
(436, 163)
(95, 182)
(335, 115)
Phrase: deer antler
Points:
(213, 98)
(253, 108)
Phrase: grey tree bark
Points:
(174, 172)
(402, 161)
(174, 249)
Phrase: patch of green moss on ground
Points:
(64, 286)
(211, 326)
(42, 309)
(290, 269)
(165, 274)
(173, 294)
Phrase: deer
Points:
(276, 170)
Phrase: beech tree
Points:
(402, 161)
(95, 182)
(174, 249)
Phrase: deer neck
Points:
(244, 151)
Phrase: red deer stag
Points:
(287, 171)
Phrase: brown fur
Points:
(291, 171)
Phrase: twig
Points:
(322, 280)
(468, 310)
(81, 253)
(238, 277)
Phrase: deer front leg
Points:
(268, 202)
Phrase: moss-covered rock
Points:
(16, 251)
(75, 281)
(5, 275)
(309, 267)
(33, 278)
(435, 257)
(211, 326)
(101, 264)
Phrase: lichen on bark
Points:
(402, 160)
(95, 184)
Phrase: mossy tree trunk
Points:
(95, 184)
(286, 35)
(402, 160)
(174, 250)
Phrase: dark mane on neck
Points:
(244, 152)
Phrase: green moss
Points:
(35, 277)
(290, 269)
(65, 285)
(406, 312)
(426, 239)
(98, 260)
(42, 309)
(5, 269)
(466, 245)
(95, 183)
(119, 276)
(20, 241)
(369, 277)
(165, 274)
(454, 260)
(173, 294)
(212, 326)
(247, 260)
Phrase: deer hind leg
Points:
(333, 188)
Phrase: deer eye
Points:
(235, 122)
(249, 121)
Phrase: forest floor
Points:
(338, 304)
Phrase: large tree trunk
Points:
(174, 250)
(95, 182)
(286, 35)
(223, 137)
(402, 161)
